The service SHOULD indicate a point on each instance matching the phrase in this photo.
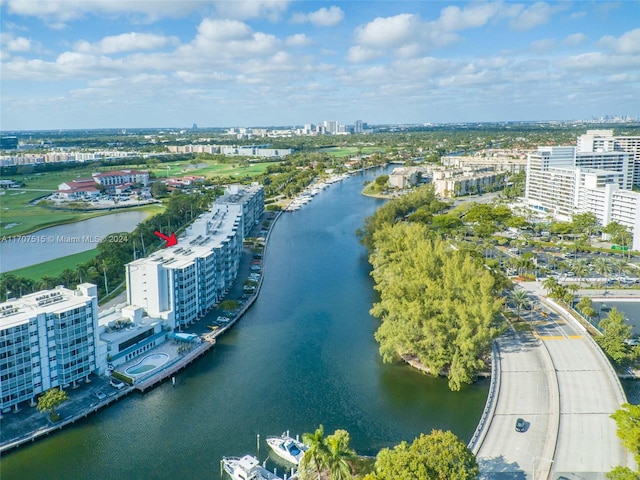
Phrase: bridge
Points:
(557, 379)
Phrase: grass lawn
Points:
(210, 170)
(341, 152)
(53, 268)
(19, 217)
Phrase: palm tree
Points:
(572, 289)
(316, 455)
(560, 293)
(581, 269)
(603, 267)
(338, 455)
(550, 283)
(621, 266)
(520, 299)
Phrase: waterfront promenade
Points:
(559, 381)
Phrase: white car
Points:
(115, 383)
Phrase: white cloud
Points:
(543, 45)
(57, 12)
(575, 39)
(537, 14)
(359, 54)
(298, 40)
(245, 9)
(324, 17)
(193, 77)
(213, 30)
(454, 18)
(628, 42)
(390, 31)
(126, 42)
(11, 43)
(597, 62)
(623, 78)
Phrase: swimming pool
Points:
(148, 363)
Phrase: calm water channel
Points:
(54, 242)
(303, 355)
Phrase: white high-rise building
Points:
(605, 141)
(562, 182)
(47, 339)
(181, 283)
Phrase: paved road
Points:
(561, 384)
(527, 390)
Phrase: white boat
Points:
(290, 449)
(247, 468)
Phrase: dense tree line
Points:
(422, 204)
(437, 456)
(436, 302)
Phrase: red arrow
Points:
(171, 240)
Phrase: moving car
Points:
(520, 423)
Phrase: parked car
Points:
(101, 395)
(520, 423)
(115, 383)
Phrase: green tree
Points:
(614, 333)
(585, 305)
(581, 269)
(435, 302)
(316, 456)
(520, 300)
(438, 456)
(158, 189)
(550, 283)
(339, 455)
(628, 421)
(382, 181)
(622, 473)
(586, 223)
(50, 400)
(603, 267)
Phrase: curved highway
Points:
(560, 383)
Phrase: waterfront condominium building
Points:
(181, 283)
(47, 339)
(251, 198)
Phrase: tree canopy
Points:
(628, 421)
(436, 302)
(50, 400)
(438, 456)
(614, 333)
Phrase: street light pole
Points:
(533, 462)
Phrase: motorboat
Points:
(247, 468)
(288, 448)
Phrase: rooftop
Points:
(15, 312)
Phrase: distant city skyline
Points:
(69, 64)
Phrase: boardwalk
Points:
(560, 383)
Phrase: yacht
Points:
(247, 468)
(290, 449)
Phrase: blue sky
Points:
(160, 63)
